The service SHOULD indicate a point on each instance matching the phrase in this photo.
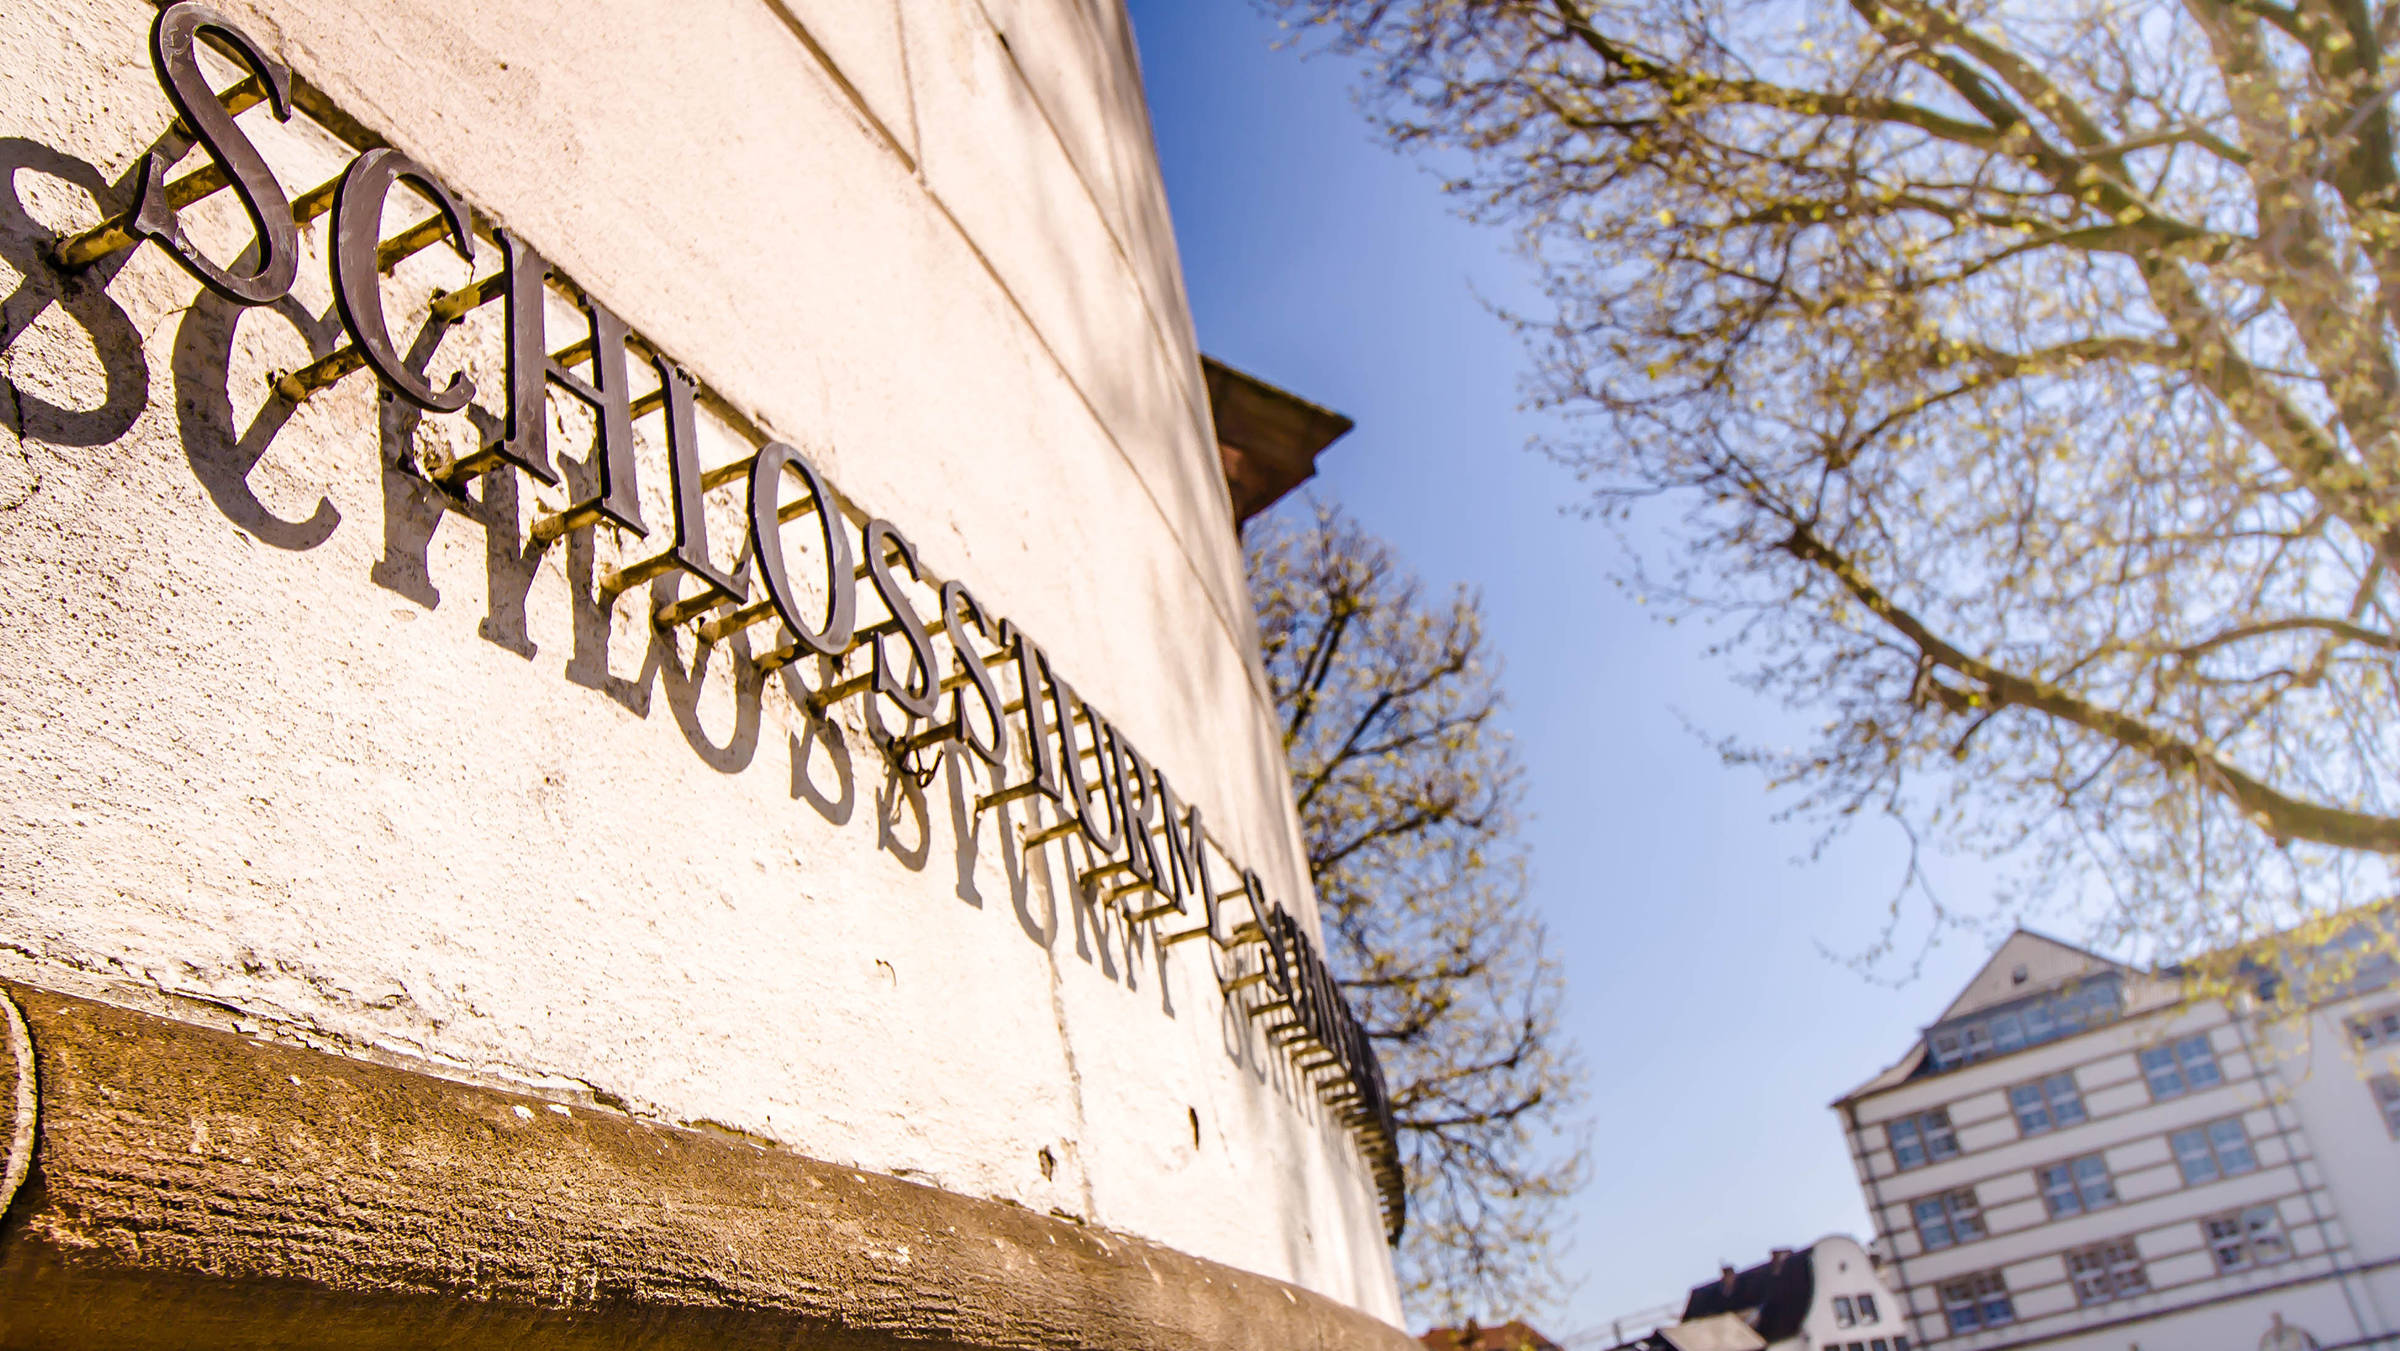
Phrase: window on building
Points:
(2387, 1097)
(1975, 1040)
(1866, 1308)
(2075, 1186)
(2241, 1239)
(2046, 1104)
(2377, 1029)
(2218, 1149)
(1975, 1302)
(2041, 1023)
(1899, 1344)
(1879, 1344)
(1922, 1139)
(2107, 1271)
(2031, 1023)
(1948, 1220)
(1843, 1314)
(2358, 960)
(2008, 1033)
(2180, 1067)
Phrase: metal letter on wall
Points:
(358, 272)
(173, 50)
(616, 498)
(1033, 675)
(832, 639)
(524, 439)
(1098, 822)
(690, 551)
(1129, 778)
(1183, 866)
(963, 614)
(920, 693)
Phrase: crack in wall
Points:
(1066, 1049)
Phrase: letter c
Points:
(357, 285)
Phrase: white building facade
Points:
(1852, 1308)
(2076, 1156)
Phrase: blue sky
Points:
(1715, 1025)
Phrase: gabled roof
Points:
(2027, 964)
(1894, 1075)
(1779, 1290)
(2047, 964)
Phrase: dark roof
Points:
(1773, 1296)
(1512, 1335)
(1267, 438)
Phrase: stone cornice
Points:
(196, 1188)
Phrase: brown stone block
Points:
(193, 1188)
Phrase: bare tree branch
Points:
(1407, 793)
(2020, 380)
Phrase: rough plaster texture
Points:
(282, 733)
(199, 1189)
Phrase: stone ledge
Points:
(193, 1188)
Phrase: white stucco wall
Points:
(1839, 1266)
(279, 740)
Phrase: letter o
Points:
(832, 638)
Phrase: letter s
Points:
(961, 612)
(920, 694)
(173, 40)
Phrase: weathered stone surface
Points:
(195, 1188)
(18, 1105)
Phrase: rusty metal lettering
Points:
(1183, 865)
(1270, 923)
(1121, 802)
(174, 53)
(831, 637)
(616, 497)
(524, 438)
(357, 277)
(1137, 806)
(920, 694)
(962, 614)
(1097, 819)
(1033, 673)
(688, 485)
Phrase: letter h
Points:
(532, 370)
